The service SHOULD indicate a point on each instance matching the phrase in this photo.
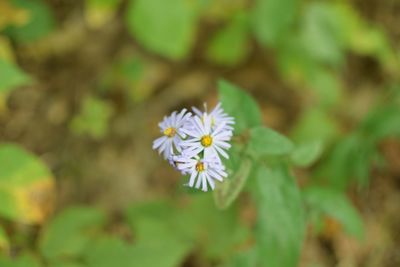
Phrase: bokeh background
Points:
(83, 85)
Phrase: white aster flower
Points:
(203, 137)
(172, 129)
(205, 171)
(218, 116)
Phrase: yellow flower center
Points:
(170, 132)
(200, 166)
(206, 141)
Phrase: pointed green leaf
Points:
(240, 105)
(164, 27)
(307, 153)
(267, 142)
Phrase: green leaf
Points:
(307, 153)
(229, 46)
(335, 204)
(164, 27)
(170, 252)
(20, 167)
(326, 87)
(240, 105)
(246, 258)
(157, 233)
(69, 232)
(41, 21)
(25, 260)
(382, 122)
(93, 118)
(68, 264)
(109, 252)
(267, 142)
(281, 223)
(349, 160)
(322, 33)
(295, 62)
(26, 185)
(11, 76)
(227, 191)
(272, 19)
(163, 224)
(315, 124)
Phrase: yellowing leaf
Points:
(26, 186)
(35, 202)
(39, 24)
(99, 12)
(6, 52)
(11, 15)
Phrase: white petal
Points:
(222, 152)
(158, 142)
(192, 178)
(210, 181)
(203, 181)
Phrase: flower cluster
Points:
(195, 143)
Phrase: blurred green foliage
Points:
(93, 118)
(166, 28)
(11, 76)
(39, 25)
(309, 42)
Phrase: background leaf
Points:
(266, 142)
(322, 33)
(166, 28)
(238, 104)
(93, 118)
(306, 153)
(229, 45)
(185, 228)
(69, 232)
(279, 207)
(26, 186)
(272, 19)
(25, 260)
(225, 193)
(40, 24)
(335, 204)
(11, 76)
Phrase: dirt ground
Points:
(122, 168)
